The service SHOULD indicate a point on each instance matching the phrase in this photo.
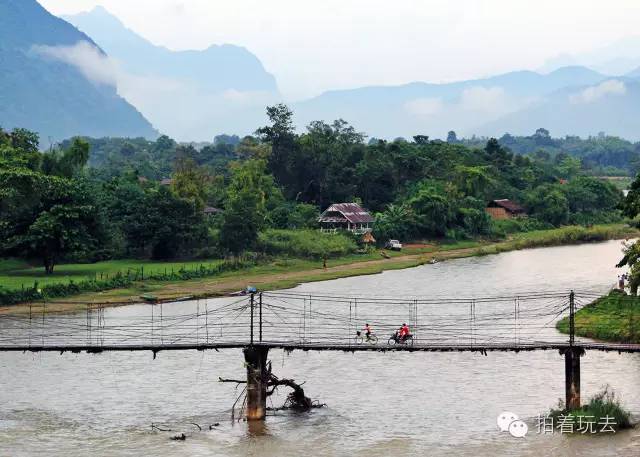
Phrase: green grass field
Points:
(614, 317)
(16, 273)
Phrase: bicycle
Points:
(370, 338)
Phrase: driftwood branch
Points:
(295, 400)
(237, 381)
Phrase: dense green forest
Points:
(601, 155)
(92, 199)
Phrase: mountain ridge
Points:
(139, 55)
(51, 96)
(436, 108)
(190, 95)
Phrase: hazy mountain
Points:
(612, 106)
(190, 95)
(634, 74)
(47, 83)
(433, 109)
(617, 58)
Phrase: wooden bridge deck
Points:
(481, 348)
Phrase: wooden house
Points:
(504, 209)
(346, 216)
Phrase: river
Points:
(400, 404)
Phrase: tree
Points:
(548, 204)
(631, 208)
(68, 162)
(433, 208)
(631, 259)
(192, 183)
(452, 137)
(631, 203)
(248, 196)
(474, 180)
(280, 135)
(47, 217)
(419, 139)
(396, 222)
(19, 148)
(472, 217)
(177, 224)
(589, 195)
(568, 167)
(496, 154)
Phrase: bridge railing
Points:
(299, 319)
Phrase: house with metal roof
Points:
(346, 216)
(504, 209)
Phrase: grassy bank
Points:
(562, 236)
(288, 272)
(614, 317)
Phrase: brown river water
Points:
(386, 404)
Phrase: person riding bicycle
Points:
(367, 331)
(404, 333)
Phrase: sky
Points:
(316, 45)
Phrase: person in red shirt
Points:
(404, 332)
(367, 330)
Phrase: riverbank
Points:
(286, 273)
(614, 317)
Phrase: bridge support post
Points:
(257, 377)
(572, 377)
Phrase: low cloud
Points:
(484, 99)
(87, 58)
(246, 98)
(424, 106)
(595, 93)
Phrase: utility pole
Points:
(252, 305)
(260, 315)
(572, 318)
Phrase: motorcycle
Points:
(397, 339)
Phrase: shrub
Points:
(604, 404)
(520, 224)
(311, 244)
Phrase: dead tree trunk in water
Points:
(262, 383)
(295, 400)
(257, 377)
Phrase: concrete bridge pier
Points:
(257, 378)
(572, 377)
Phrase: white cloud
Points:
(247, 98)
(484, 99)
(424, 106)
(312, 46)
(594, 93)
(473, 101)
(174, 106)
(86, 57)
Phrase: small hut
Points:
(504, 209)
(368, 238)
(346, 216)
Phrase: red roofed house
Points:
(346, 216)
(504, 209)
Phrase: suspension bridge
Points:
(293, 320)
